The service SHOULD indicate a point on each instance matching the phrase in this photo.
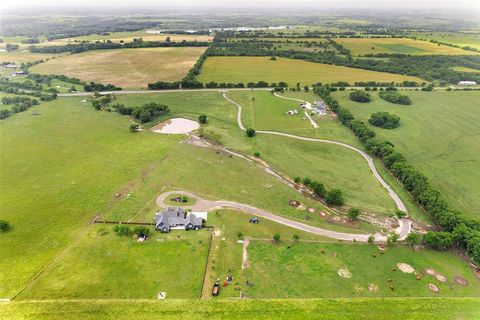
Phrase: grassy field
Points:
(19, 57)
(336, 309)
(254, 69)
(62, 178)
(439, 134)
(104, 265)
(462, 39)
(362, 46)
(128, 68)
(302, 271)
(466, 69)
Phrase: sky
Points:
(185, 4)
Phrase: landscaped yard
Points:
(128, 68)
(439, 135)
(362, 46)
(301, 270)
(254, 69)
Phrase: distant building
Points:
(11, 66)
(177, 218)
(467, 83)
(320, 108)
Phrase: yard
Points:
(254, 69)
(127, 68)
(438, 134)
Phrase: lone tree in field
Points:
(353, 213)
(4, 226)
(276, 237)
(134, 127)
(335, 197)
(202, 119)
(384, 120)
(250, 132)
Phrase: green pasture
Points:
(254, 69)
(462, 39)
(105, 265)
(301, 270)
(439, 135)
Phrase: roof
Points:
(176, 216)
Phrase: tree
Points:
(360, 96)
(202, 119)
(96, 104)
(297, 179)
(250, 132)
(318, 188)
(384, 120)
(134, 127)
(168, 40)
(4, 226)
(335, 197)
(400, 214)
(307, 181)
(371, 239)
(122, 230)
(276, 237)
(296, 237)
(353, 213)
(256, 154)
(392, 239)
(141, 231)
(412, 239)
(438, 240)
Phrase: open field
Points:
(466, 69)
(128, 68)
(302, 271)
(362, 46)
(105, 265)
(439, 135)
(20, 57)
(283, 309)
(254, 69)
(462, 39)
(62, 178)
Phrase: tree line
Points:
(20, 104)
(457, 229)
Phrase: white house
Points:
(467, 83)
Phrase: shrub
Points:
(134, 127)
(141, 231)
(297, 179)
(276, 237)
(384, 120)
(438, 240)
(371, 239)
(4, 226)
(392, 239)
(353, 213)
(256, 154)
(202, 119)
(400, 214)
(360, 96)
(250, 132)
(122, 230)
(412, 239)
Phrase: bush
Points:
(297, 179)
(150, 111)
(412, 239)
(360, 96)
(384, 120)
(276, 237)
(256, 154)
(335, 197)
(134, 127)
(438, 240)
(353, 213)
(122, 230)
(392, 239)
(141, 231)
(400, 214)
(395, 97)
(202, 119)
(4, 226)
(250, 132)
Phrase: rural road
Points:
(404, 223)
(203, 205)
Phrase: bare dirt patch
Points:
(344, 273)
(405, 268)
(461, 281)
(433, 287)
(372, 287)
(176, 126)
(430, 271)
(441, 278)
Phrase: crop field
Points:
(462, 39)
(105, 265)
(466, 69)
(20, 56)
(362, 46)
(128, 68)
(254, 69)
(439, 134)
(303, 271)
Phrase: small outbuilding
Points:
(467, 83)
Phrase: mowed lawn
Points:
(301, 270)
(362, 46)
(105, 265)
(439, 135)
(254, 69)
(61, 164)
(127, 68)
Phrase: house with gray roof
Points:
(177, 218)
(320, 108)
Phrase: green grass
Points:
(60, 168)
(336, 309)
(128, 68)
(362, 46)
(254, 69)
(439, 135)
(300, 270)
(461, 39)
(104, 265)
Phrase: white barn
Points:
(467, 83)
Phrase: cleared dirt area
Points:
(176, 126)
(127, 68)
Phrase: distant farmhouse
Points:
(467, 83)
(177, 218)
(320, 108)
